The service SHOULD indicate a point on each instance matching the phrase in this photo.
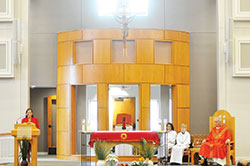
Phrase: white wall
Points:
(14, 92)
(233, 92)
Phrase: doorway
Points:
(123, 99)
(52, 124)
(124, 105)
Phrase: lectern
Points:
(28, 131)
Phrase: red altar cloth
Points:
(124, 136)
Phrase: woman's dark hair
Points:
(172, 126)
(27, 112)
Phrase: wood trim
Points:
(176, 36)
(93, 158)
(73, 119)
(69, 36)
(115, 34)
(5, 134)
(174, 100)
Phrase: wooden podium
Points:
(29, 131)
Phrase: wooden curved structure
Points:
(88, 57)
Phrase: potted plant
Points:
(147, 151)
(24, 150)
(102, 150)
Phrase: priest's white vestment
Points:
(167, 142)
(183, 141)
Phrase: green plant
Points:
(24, 148)
(102, 149)
(147, 149)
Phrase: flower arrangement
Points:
(141, 162)
(126, 164)
(147, 149)
(102, 150)
(112, 160)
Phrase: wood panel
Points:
(76, 74)
(146, 34)
(34, 149)
(183, 96)
(180, 53)
(103, 73)
(69, 36)
(183, 116)
(63, 143)
(144, 73)
(103, 119)
(65, 53)
(182, 75)
(145, 113)
(91, 34)
(176, 36)
(63, 120)
(102, 95)
(169, 74)
(63, 74)
(145, 95)
(144, 107)
(63, 96)
(102, 51)
(102, 107)
(145, 51)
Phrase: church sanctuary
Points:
(124, 82)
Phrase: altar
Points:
(124, 137)
(114, 138)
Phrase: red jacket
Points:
(33, 120)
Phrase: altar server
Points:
(168, 141)
(183, 141)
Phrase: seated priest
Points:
(183, 141)
(214, 147)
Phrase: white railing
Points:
(6, 148)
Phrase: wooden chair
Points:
(229, 121)
(196, 141)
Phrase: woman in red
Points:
(30, 118)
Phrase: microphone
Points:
(20, 118)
